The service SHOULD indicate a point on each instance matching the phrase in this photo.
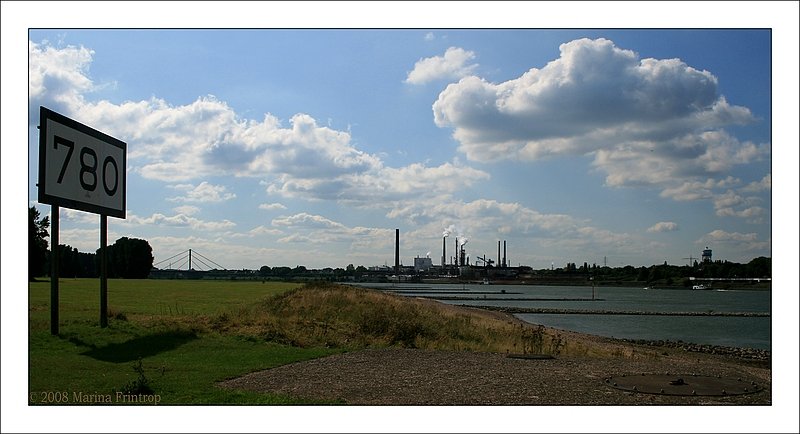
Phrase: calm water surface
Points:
(746, 332)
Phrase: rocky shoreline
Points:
(745, 354)
(754, 354)
(514, 310)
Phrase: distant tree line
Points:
(759, 267)
(301, 271)
(127, 258)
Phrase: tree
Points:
(644, 273)
(759, 267)
(37, 244)
(128, 258)
(68, 264)
(281, 271)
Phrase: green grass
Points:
(177, 339)
(79, 298)
(151, 321)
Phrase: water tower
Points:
(706, 255)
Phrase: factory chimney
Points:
(397, 251)
(444, 251)
(504, 254)
(455, 252)
(498, 253)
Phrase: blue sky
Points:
(309, 147)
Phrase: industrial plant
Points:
(457, 266)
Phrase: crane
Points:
(691, 260)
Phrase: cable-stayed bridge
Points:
(189, 260)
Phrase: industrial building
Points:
(459, 265)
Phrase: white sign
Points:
(80, 167)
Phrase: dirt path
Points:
(426, 377)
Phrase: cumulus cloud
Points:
(204, 192)
(271, 206)
(663, 227)
(646, 121)
(764, 184)
(753, 214)
(178, 221)
(206, 137)
(263, 230)
(186, 209)
(382, 186)
(696, 190)
(728, 201)
(747, 241)
(454, 64)
(58, 77)
(315, 229)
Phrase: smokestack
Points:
(498, 253)
(504, 254)
(444, 251)
(397, 251)
(455, 252)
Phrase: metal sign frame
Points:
(68, 148)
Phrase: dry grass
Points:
(337, 316)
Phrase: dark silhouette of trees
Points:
(73, 263)
(128, 258)
(759, 267)
(37, 244)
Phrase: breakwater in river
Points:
(539, 310)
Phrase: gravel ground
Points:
(396, 376)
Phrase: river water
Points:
(732, 331)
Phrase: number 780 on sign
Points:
(80, 167)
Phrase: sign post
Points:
(54, 211)
(84, 169)
(103, 271)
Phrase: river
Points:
(710, 317)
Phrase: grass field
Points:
(150, 321)
(174, 340)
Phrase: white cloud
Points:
(757, 186)
(727, 200)
(748, 241)
(663, 227)
(381, 187)
(177, 220)
(752, 214)
(57, 77)
(454, 64)
(85, 240)
(316, 229)
(646, 121)
(271, 206)
(186, 209)
(306, 220)
(202, 193)
(207, 138)
(263, 230)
